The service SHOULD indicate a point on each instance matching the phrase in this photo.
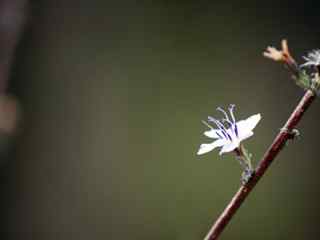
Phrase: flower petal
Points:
(207, 147)
(229, 147)
(245, 136)
(246, 126)
(212, 133)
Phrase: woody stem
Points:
(264, 164)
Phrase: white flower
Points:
(313, 59)
(229, 133)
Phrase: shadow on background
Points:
(113, 97)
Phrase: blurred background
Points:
(111, 95)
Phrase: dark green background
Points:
(113, 95)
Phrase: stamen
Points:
(221, 127)
(216, 122)
(226, 119)
(207, 124)
(236, 129)
(224, 112)
(218, 134)
(211, 119)
(231, 108)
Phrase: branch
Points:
(279, 142)
(12, 20)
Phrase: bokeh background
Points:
(112, 94)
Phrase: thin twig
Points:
(12, 21)
(278, 143)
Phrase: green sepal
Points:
(308, 82)
(303, 80)
(245, 161)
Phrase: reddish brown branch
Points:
(265, 162)
(12, 20)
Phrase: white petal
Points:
(207, 147)
(246, 126)
(245, 136)
(211, 133)
(229, 147)
(307, 64)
